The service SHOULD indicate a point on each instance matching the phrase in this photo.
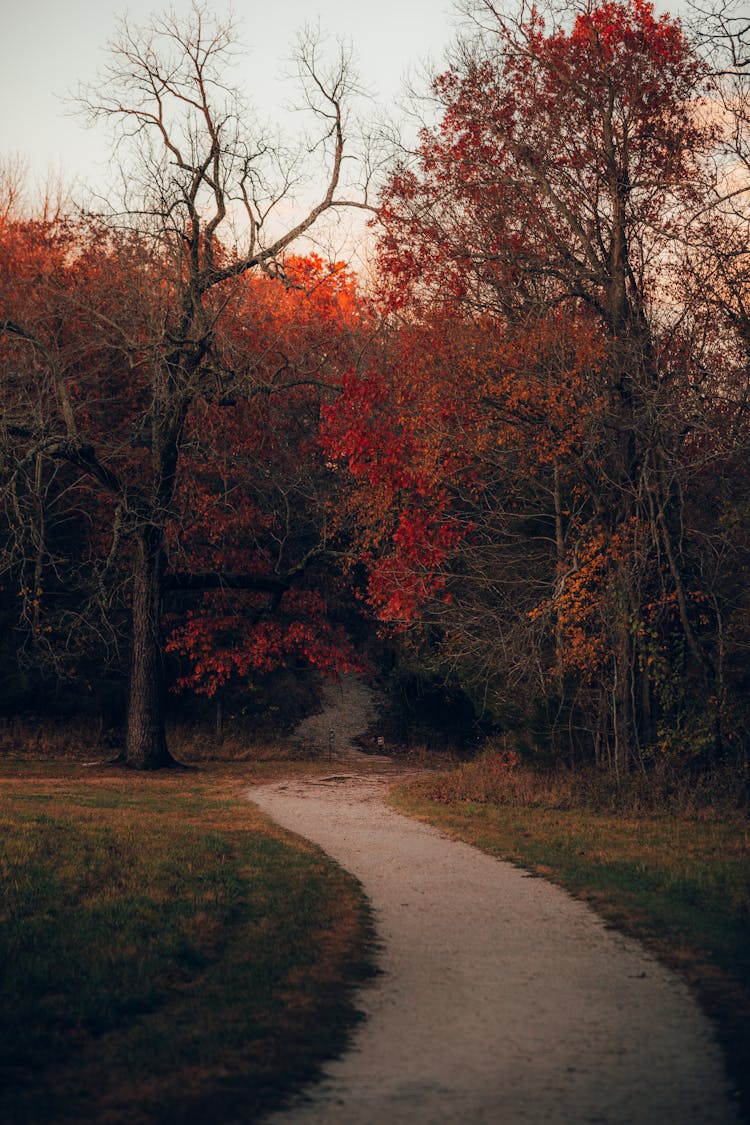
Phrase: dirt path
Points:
(503, 1000)
(349, 708)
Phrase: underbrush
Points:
(168, 953)
(39, 738)
(85, 739)
(500, 777)
(252, 726)
(189, 743)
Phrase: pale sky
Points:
(48, 46)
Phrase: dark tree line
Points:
(119, 332)
(568, 249)
(535, 429)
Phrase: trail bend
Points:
(502, 1001)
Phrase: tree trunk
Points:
(146, 744)
(559, 565)
(621, 703)
(219, 720)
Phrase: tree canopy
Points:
(524, 443)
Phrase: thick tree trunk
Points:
(146, 744)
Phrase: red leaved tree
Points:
(255, 491)
(537, 231)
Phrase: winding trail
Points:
(502, 999)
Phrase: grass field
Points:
(167, 953)
(682, 886)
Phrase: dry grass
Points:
(82, 739)
(500, 777)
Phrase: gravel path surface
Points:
(503, 1000)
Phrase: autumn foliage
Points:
(252, 492)
(523, 450)
(534, 447)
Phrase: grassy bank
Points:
(168, 954)
(682, 886)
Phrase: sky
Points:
(48, 47)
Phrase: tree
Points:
(460, 437)
(116, 331)
(544, 214)
(255, 491)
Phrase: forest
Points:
(506, 467)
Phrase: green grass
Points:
(682, 886)
(167, 953)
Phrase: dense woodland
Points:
(514, 462)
